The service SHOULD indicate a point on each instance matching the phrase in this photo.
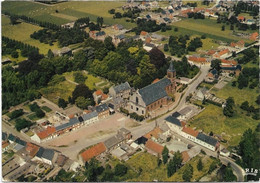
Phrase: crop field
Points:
(65, 12)
(213, 119)
(208, 27)
(22, 31)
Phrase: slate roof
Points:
(122, 87)
(101, 108)
(11, 137)
(141, 140)
(4, 136)
(112, 141)
(89, 115)
(231, 67)
(100, 33)
(207, 139)
(48, 154)
(148, 16)
(63, 126)
(155, 91)
(40, 152)
(176, 114)
(121, 36)
(171, 11)
(173, 120)
(17, 147)
(21, 142)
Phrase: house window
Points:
(136, 100)
(142, 111)
(131, 107)
(137, 109)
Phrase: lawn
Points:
(239, 95)
(206, 85)
(61, 90)
(46, 109)
(199, 4)
(68, 11)
(208, 27)
(21, 32)
(33, 117)
(213, 119)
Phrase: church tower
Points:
(171, 75)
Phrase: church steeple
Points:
(171, 68)
(171, 73)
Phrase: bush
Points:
(136, 117)
(125, 111)
(16, 114)
(120, 170)
(22, 123)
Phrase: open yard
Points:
(213, 119)
(21, 32)
(68, 11)
(208, 27)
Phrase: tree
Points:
(79, 77)
(13, 20)
(200, 165)
(81, 90)
(159, 161)
(174, 164)
(228, 109)
(187, 173)
(215, 64)
(100, 21)
(62, 103)
(14, 54)
(39, 113)
(120, 169)
(166, 47)
(50, 54)
(83, 103)
(22, 123)
(258, 100)
(109, 44)
(223, 28)
(157, 57)
(112, 11)
(165, 154)
(176, 29)
(245, 105)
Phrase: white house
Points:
(90, 118)
(44, 155)
(174, 124)
(189, 133)
(207, 141)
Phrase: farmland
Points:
(208, 27)
(65, 12)
(21, 32)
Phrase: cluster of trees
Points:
(177, 45)
(246, 7)
(205, 2)
(148, 26)
(79, 77)
(82, 22)
(196, 15)
(95, 172)
(228, 109)
(248, 148)
(22, 123)
(64, 36)
(248, 55)
(130, 13)
(33, 21)
(184, 69)
(132, 115)
(248, 77)
(9, 46)
(192, 4)
(225, 174)
(174, 164)
(250, 110)
(128, 62)
(35, 108)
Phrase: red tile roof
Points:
(211, 52)
(98, 92)
(197, 59)
(148, 40)
(44, 134)
(222, 52)
(185, 156)
(254, 36)
(32, 149)
(4, 144)
(156, 80)
(183, 123)
(190, 131)
(87, 111)
(93, 151)
(157, 148)
(231, 62)
(104, 96)
(154, 133)
(143, 33)
(240, 18)
(71, 116)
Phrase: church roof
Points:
(171, 68)
(155, 91)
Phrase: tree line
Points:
(9, 47)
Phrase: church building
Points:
(156, 95)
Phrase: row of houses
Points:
(100, 112)
(28, 156)
(180, 128)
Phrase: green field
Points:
(213, 119)
(208, 27)
(239, 95)
(21, 32)
(67, 11)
